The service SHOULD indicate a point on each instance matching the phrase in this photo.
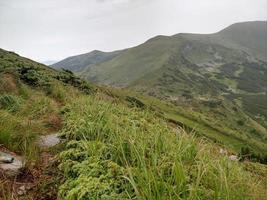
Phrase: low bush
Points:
(10, 102)
(57, 91)
(68, 77)
(33, 76)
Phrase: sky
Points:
(50, 30)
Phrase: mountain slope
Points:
(230, 62)
(251, 35)
(116, 145)
(32, 97)
(246, 36)
(77, 63)
(197, 72)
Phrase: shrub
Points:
(10, 102)
(68, 77)
(135, 102)
(33, 76)
(56, 91)
(240, 122)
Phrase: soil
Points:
(35, 182)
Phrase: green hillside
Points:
(115, 144)
(77, 63)
(250, 35)
(218, 79)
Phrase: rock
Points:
(22, 190)
(12, 164)
(223, 151)
(48, 140)
(29, 187)
(5, 158)
(234, 158)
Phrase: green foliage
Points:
(18, 137)
(119, 153)
(246, 153)
(31, 76)
(10, 102)
(240, 122)
(215, 66)
(135, 102)
(68, 77)
(57, 91)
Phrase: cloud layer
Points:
(52, 30)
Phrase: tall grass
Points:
(18, 137)
(10, 102)
(23, 119)
(115, 152)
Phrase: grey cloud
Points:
(52, 30)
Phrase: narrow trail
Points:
(30, 181)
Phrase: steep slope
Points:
(78, 63)
(32, 97)
(250, 35)
(197, 72)
(133, 63)
(230, 62)
(115, 145)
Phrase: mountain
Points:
(229, 64)
(247, 36)
(115, 144)
(251, 36)
(77, 63)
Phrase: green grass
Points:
(31, 95)
(219, 124)
(118, 145)
(186, 68)
(115, 152)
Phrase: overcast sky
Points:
(54, 29)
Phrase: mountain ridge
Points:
(221, 32)
(222, 58)
(192, 70)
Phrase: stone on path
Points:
(22, 190)
(48, 140)
(10, 165)
(5, 158)
(233, 158)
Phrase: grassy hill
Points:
(218, 79)
(77, 63)
(116, 144)
(251, 36)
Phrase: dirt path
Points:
(24, 182)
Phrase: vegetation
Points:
(31, 99)
(114, 152)
(120, 145)
(77, 63)
(216, 82)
